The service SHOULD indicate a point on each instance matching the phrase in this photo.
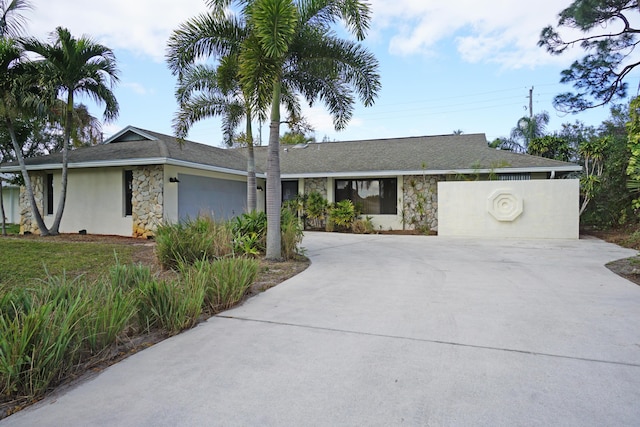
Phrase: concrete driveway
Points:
(394, 330)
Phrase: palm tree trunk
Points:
(55, 228)
(251, 167)
(274, 190)
(44, 231)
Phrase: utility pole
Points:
(531, 102)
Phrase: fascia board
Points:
(362, 174)
(131, 162)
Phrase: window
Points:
(289, 190)
(514, 177)
(48, 193)
(370, 196)
(128, 193)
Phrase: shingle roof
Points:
(425, 154)
(140, 146)
(430, 154)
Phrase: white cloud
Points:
(505, 32)
(141, 26)
(322, 121)
(137, 88)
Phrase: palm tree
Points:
(529, 128)
(204, 92)
(15, 99)
(70, 66)
(284, 48)
(11, 19)
(299, 50)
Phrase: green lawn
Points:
(23, 260)
(11, 228)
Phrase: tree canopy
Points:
(609, 37)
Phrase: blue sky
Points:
(444, 66)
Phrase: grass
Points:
(24, 260)
(12, 228)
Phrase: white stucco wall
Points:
(540, 209)
(95, 202)
(11, 201)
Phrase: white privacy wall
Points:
(537, 209)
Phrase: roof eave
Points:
(361, 174)
(130, 162)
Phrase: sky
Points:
(467, 65)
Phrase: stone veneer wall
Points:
(318, 185)
(27, 222)
(147, 201)
(420, 202)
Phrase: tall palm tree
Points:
(15, 99)
(11, 19)
(204, 91)
(284, 48)
(529, 128)
(72, 66)
(299, 49)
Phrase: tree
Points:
(204, 91)
(11, 19)
(609, 39)
(72, 66)
(299, 49)
(551, 147)
(633, 167)
(16, 99)
(529, 128)
(295, 138)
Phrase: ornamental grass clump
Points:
(40, 336)
(226, 281)
(170, 306)
(191, 240)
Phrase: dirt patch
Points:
(628, 237)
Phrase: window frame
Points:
(386, 186)
(48, 194)
(127, 192)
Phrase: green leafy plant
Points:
(316, 210)
(342, 214)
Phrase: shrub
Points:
(363, 226)
(316, 209)
(225, 281)
(192, 240)
(342, 214)
(250, 233)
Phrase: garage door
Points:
(221, 198)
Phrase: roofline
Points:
(360, 174)
(127, 129)
(355, 174)
(131, 162)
